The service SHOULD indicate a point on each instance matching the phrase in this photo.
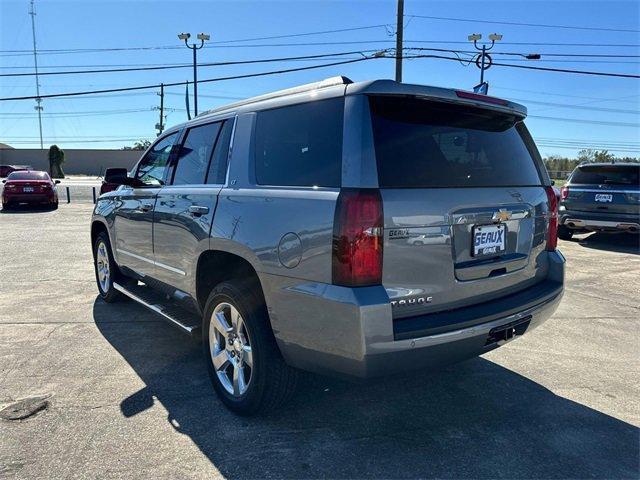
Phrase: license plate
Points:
(489, 239)
(27, 189)
(604, 197)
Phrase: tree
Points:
(139, 145)
(56, 160)
(589, 155)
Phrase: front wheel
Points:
(105, 268)
(564, 233)
(246, 368)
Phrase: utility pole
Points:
(399, 33)
(160, 125)
(38, 107)
(202, 37)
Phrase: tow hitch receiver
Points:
(508, 332)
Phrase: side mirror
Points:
(114, 173)
(125, 180)
(57, 182)
(4, 181)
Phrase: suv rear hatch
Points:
(603, 189)
(465, 209)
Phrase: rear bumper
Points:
(29, 198)
(594, 221)
(350, 331)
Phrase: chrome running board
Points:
(181, 318)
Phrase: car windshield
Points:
(28, 176)
(607, 174)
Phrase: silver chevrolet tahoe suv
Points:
(358, 229)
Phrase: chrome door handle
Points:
(145, 207)
(198, 210)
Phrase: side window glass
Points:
(195, 153)
(218, 168)
(300, 145)
(152, 168)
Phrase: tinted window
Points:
(426, 144)
(195, 153)
(22, 175)
(606, 174)
(152, 168)
(218, 167)
(300, 145)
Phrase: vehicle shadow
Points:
(472, 420)
(616, 242)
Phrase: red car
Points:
(30, 187)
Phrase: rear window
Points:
(300, 145)
(22, 175)
(607, 174)
(426, 144)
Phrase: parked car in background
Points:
(5, 170)
(359, 229)
(602, 197)
(29, 187)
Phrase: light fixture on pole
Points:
(203, 37)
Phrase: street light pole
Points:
(195, 47)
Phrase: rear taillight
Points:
(357, 238)
(552, 231)
(564, 193)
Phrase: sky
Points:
(566, 111)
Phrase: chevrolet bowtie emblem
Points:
(501, 215)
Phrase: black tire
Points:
(564, 233)
(6, 206)
(272, 381)
(107, 293)
(54, 206)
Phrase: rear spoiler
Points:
(460, 97)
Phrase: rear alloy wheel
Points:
(564, 233)
(105, 268)
(231, 353)
(245, 365)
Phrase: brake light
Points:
(358, 238)
(564, 193)
(480, 98)
(552, 231)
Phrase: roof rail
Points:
(328, 82)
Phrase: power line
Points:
(565, 95)
(12, 53)
(564, 70)
(217, 79)
(577, 107)
(298, 69)
(521, 24)
(579, 120)
(182, 65)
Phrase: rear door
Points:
(185, 208)
(605, 189)
(464, 204)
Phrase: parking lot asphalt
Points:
(128, 396)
